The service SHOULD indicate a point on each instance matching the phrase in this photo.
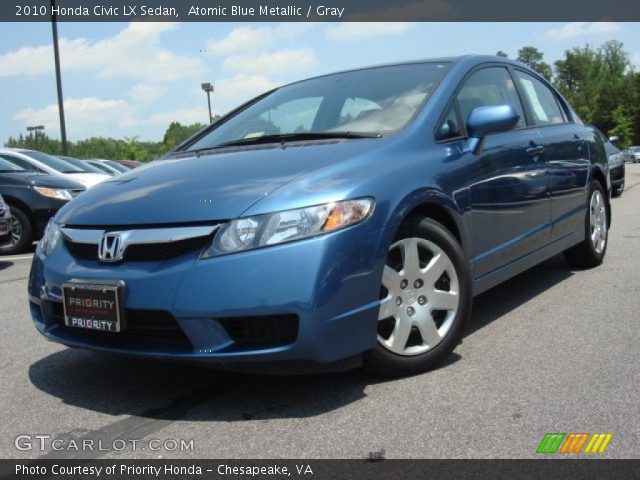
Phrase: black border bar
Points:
(548, 469)
(320, 10)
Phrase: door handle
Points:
(535, 151)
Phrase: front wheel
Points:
(22, 234)
(590, 252)
(426, 297)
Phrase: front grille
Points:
(146, 327)
(147, 252)
(263, 331)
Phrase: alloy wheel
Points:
(598, 221)
(420, 297)
(16, 234)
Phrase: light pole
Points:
(56, 58)
(36, 129)
(208, 87)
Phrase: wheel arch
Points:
(17, 202)
(435, 205)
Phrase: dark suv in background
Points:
(33, 198)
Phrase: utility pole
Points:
(56, 57)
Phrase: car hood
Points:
(216, 186)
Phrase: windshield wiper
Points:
(287, 137)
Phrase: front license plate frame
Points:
(94, 305)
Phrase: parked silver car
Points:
(632, 154)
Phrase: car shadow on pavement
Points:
(116, 385)
(4, 264)
(500, 300)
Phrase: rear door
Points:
(508, 184)
(565, 154)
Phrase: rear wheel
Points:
(590, 252)
(22, 235)
(425, 300)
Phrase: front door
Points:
(508, 182)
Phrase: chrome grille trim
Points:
(140, 236)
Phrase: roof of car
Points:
(472, 59)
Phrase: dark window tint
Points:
(486, 87)
(52, 162)
(82, 165)
(544, 106)
(116, 166)
(6, 165)
(21, 163)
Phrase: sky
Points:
(132, 80)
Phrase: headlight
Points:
(51, 239)
(54, 193)
(280, 227)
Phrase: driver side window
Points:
(487, 87)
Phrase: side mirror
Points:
(615, 138)
(491, 119)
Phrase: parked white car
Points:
(45, 163)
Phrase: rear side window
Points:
(486, 87)
(544, 106)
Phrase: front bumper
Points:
(330, 284)
(617, 174)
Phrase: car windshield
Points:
(635, 149)
(82, 165)
(101, 167)
(116, 166)
(7, 166)
(52, 162)
(374, 101)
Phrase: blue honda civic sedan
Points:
(344, 220)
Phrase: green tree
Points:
(500, 53)
(177, 133)
(579, 77)
(617, 86)
(622, 126)
(533, 58)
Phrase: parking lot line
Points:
(26, 257)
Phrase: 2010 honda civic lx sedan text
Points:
(345, 219)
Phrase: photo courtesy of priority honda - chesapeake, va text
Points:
(341, 221)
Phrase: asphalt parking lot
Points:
(553, 350)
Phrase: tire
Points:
(591, 251)
(617, 191)
(407, 341)
(22, 242)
